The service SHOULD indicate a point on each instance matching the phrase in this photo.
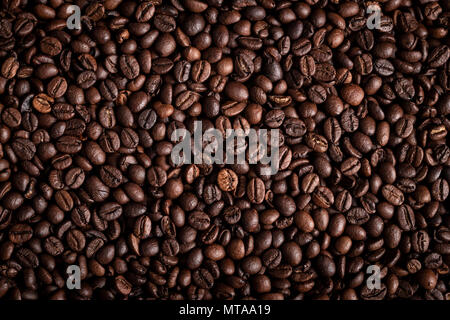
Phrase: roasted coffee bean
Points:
(74, 178)
(111, 176)
(256, 190)
(406, 218)
(323, 197)
(57, 87)
(53, 246)
(51, 46)
(20, 233)
(199, 220)
(69, 144)
(76, 240)
(11, 117)
(227, 180)
(393, 195)
(9, 68)
(294, 127)
(23, 148)
(350, 166)
(81, 216)
(43, 103)
(129, 66)
(357, 216)
(142, 227)
(110, 211)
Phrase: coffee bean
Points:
(317, 94)
(316, 142)
(310, 182)
(11, 117)
(76, 240)
(352, 94)
(420, 241)
(357, 216)
(203, 278)
(20, 233)
(324, 72)
(110, 211)
(199, 220)
(81, 216)
(9, 68)
(373, 294)
(232, 215)
(142, 227)
(256, 190)
(129, 66)
(200, 71)
(108, 90)
(51, 46)
(64, 200)
(23, 148)
(145, 11)
(323, 197)
(53, 246)
(438, 56)
(307, 66)
(332, 130)
(244, 66)
(393, 195)
(69, 144)
(294, 127)
(123, 285)
(43, 103)
(57, 87)
(111, 176)
(440, 189)
(406, 218)
(227, 180)
(350, 166)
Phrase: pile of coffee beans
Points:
(358, 209)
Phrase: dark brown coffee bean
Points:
(405, 217)
(129, 66)
(294, 127)
(57, 87)
(11, 117)
(53, 246)
(9, 68)
(156, 176)
(76, 240)
(256, 190)
(110, 211)
(393, 195)
(323, 197)
(20, 233)
(23, 148)
(145, 11)
(81, 216)
(357, 216)
(142, 227)
(51, 46)
(199, 220)
(439, 56)
(69, 144)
